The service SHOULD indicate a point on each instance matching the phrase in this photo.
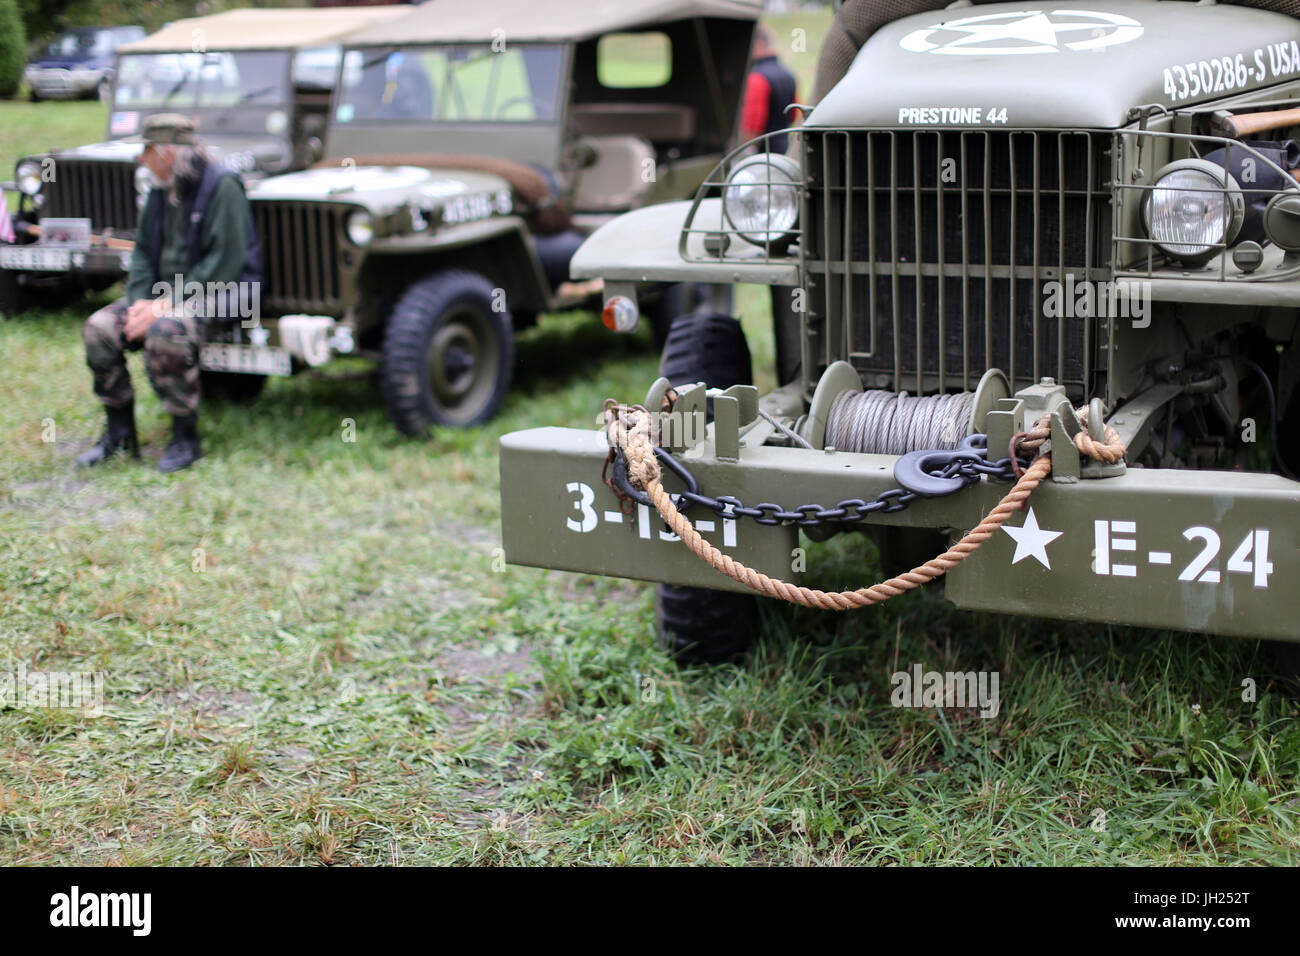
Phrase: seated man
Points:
(195, 233)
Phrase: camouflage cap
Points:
(168, 129)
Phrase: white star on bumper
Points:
(1031, 540)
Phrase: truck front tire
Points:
(702, 624)
(677, 300)
(448, 353)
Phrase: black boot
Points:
(184, 449)
(118, 437)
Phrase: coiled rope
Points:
(631, 429)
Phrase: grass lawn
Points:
(313, 654)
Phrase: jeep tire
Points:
(701, 624)
(447, 355)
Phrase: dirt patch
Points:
(226, 705)
(68, 499)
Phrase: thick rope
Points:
(630, 428)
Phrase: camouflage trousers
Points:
(171, 357)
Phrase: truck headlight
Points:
(761, 199)
(1194, 207)
(360, 228)
(28, 176)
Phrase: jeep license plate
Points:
(218, 357)
(35, 258)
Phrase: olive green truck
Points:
(996, 218)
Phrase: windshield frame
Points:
(285, 98)
(562, 93)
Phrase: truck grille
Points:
(103, 192)
(927, 251)
(300, 269)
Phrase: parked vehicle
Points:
(471, 148)
(996, 216)
(257, 83)
(79, 63)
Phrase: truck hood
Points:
(112, 151)
(69, 63)
(241, 153)
(381, 189)
(1040, 66)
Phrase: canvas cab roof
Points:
(524, 21)
(264, 29)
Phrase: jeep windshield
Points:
(451, 84)
(187, 81)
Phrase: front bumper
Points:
(49, 261)
(63, 84)
(1215, 552)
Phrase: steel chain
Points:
(768, 513)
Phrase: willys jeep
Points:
(1011, 238)
(257, 84)
(472, 146)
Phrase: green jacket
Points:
(225, 244)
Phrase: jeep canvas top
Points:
(471, 149)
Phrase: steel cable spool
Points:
(895, 423)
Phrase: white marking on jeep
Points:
(1023, 31)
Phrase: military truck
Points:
(509, 132)
(997, 219)
(257, 84)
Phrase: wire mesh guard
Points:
(928, 256)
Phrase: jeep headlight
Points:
(761, 199)
(28, 176)
(360, 228)
(1194, 208)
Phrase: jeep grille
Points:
(102, 192)
(300, 245)
(926, 251)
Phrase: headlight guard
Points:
(761, 200)
(1193, 210)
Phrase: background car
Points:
(78, 64)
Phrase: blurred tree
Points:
(13, 48)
